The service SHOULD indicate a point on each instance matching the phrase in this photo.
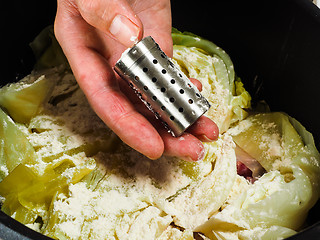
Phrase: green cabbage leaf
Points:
(47, 50)
(14, 146)
(22, 100)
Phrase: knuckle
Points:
(89, 6)
(112, 104)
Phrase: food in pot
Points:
(65, 174)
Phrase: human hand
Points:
(93, 34)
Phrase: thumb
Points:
(114, 17)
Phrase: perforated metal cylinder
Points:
(164, 89)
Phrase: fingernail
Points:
(124, 30)
(152, 158)
(200, 156)
(205, 138)
(187, 159)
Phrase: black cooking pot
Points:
(274, 44)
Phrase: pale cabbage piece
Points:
(270, 203)
(57, 129)
(76, 203)
(240, 101)
(132, 177)
(29, 189)
(22, 100)
(196, 203)
(274, 232)
(308, 160)
(267, 140)
(52, 136)
(81, 212)
(278, 146)
(19, 179)
(228, 101)
(150, 223)
(14, 146)
(173, 233)
(278, 203)
(188, 39)
(239, 186)
(159, 179)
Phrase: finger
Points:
(156, 21)
(204, 129)
(197, 83)
(114, 17)
(186, 147)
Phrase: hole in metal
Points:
(181, 91)
(155, 61)
(145, 69)
(198, 95)
(180, 109)
(163, 108)
(172, 118)
(172, 99)
(154, 98)
(154, 79)
(164, 71)
(163, 89)
(136, 78)
(145, 88)
(190, 101)
(173, 81)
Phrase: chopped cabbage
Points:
(22, 100)
(278, 203)
(66, 175)
(14, 146)
(196, 203)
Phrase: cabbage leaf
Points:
(14, 146)
(277, 203)
(203, 60)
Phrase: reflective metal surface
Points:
(164, 89)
